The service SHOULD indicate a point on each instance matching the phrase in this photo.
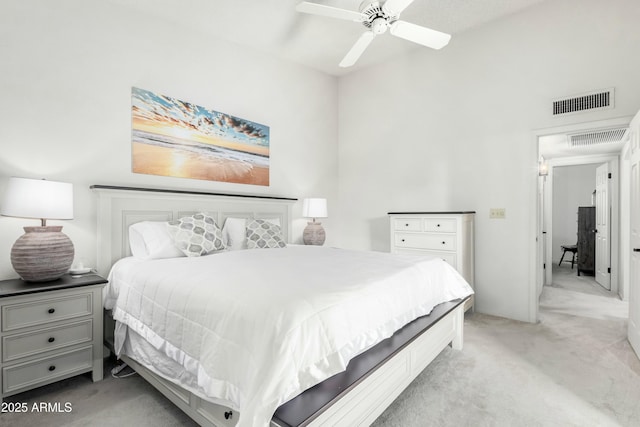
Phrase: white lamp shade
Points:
(314, 208)
(38, 198)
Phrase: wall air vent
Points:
(599, 100)
(596, 137)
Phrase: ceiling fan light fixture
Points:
(379, 26)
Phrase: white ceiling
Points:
(274, 26)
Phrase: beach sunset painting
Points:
(179, 139)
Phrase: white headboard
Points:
(119, 207)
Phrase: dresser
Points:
(448, 235)
(49, 331)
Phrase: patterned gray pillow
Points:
(264, 234)
(196, 235)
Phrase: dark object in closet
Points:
(587, 240)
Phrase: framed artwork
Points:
(179, 139)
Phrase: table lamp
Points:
(314, 233)
(43, 253)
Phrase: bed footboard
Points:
(355, 397)
(367, 399)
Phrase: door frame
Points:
(536, 271)
(613, 160)
(605, 186)
(625, 221)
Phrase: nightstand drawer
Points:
(409, 224)
(30, 343)
(440, 224)
(38, 312)
(425, 241)
(43, 371)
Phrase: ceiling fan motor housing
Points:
(377, 20)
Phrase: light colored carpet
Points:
(573, 368)
(108, 403)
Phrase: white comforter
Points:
(258, 327)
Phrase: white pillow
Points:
(151, 240)
(234, 232)
(196, 235)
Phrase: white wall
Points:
(572, 187)
(65, 111)
(452, 129)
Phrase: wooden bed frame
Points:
(354, 397)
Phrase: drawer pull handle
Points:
(403, 240)
(51, 310)
(444, 243)
(438, 225)
(228, 415)
(52, 368)
(406, 225)
(51, 339)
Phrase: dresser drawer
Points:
(42, 371)
(408, 224)
(30, 343)
(448, 257)
(426, 241)
(443, 225)
(43, 311)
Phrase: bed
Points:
(329, 344)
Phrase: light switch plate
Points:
(497, 213)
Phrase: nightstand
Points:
(49, 331)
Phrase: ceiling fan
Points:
(377, 17)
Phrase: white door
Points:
(634, 280)
(542, 237)
(603, 257)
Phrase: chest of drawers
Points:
(49, 331)
(448, 235)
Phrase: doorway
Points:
(580, 196)
(565, 155)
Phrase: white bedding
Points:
(254, 328)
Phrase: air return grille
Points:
(584, 102)
(604, 136)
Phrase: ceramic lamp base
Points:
(313, 234)
(42, 254)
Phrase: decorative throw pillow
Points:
(196, 235)
(264, 234)
(234, 232)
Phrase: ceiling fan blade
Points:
(394, 7)
(361, 44)
(331, 12)
(421, 35)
